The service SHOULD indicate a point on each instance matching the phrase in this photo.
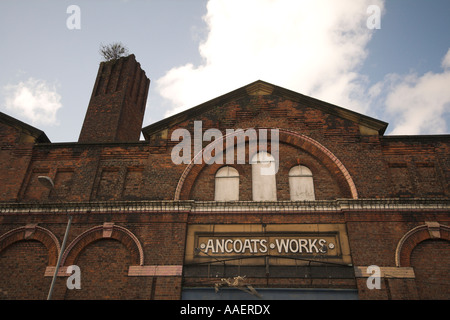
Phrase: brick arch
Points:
(430, 230)
(311, 165)
(105, 231)
(217, 167)
(293, 138)
(33, 232)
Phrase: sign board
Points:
(247, 244)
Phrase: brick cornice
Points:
(353, 206)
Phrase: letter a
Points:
(74, 21)
(184, 146)
(74, 281)
(374, 281)
(374, 21)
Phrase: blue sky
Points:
(195, 50)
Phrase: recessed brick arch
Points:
(430, 230)
(189, 175)
(105, 231)
(33, 232)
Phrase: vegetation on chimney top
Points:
(113, 51)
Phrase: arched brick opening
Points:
(426, 249)
(430, 230)
(33, 232)
(104, 265)
(430, 260)
(105, 231)
(295, 139)
(22, 268)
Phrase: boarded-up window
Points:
(429, 184)
(264, 186)
(133, 183)
(301, 184)
(109, 188)
(227, 184)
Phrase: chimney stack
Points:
(117, 106)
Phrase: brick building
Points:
(344, 197)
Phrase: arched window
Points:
(301, 184)
(227, 184)
(264, 186)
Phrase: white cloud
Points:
(418, 104)
(35, 100)
(312, 47)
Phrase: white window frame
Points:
(301, 184)
(264, 185)
(226, 184)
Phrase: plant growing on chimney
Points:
(113, 51)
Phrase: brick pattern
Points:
(289, 157)
(107, 231)
(363, 167)
(105, 252)
(430, 230)
(22, 266)
(432, 278)
(33, 232)
(104, 265)
(117, 102)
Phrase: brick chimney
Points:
(116, 109)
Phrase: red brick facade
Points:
(133, 208)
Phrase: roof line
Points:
(246, 90)
(36, 133)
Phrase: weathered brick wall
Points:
(417, 166)
(117, 105)
(381, 167)
(84, 172)
(15, 155)
(431, 262)
(326, 186)
(374, 238)
(386, 167)
(104, 262)
(22, 266)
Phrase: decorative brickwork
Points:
(117, 103)
(33, 232)
(300, 141)
(430, 230)
(107, 230)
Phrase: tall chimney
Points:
(117, 106)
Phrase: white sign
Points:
(263, 246)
